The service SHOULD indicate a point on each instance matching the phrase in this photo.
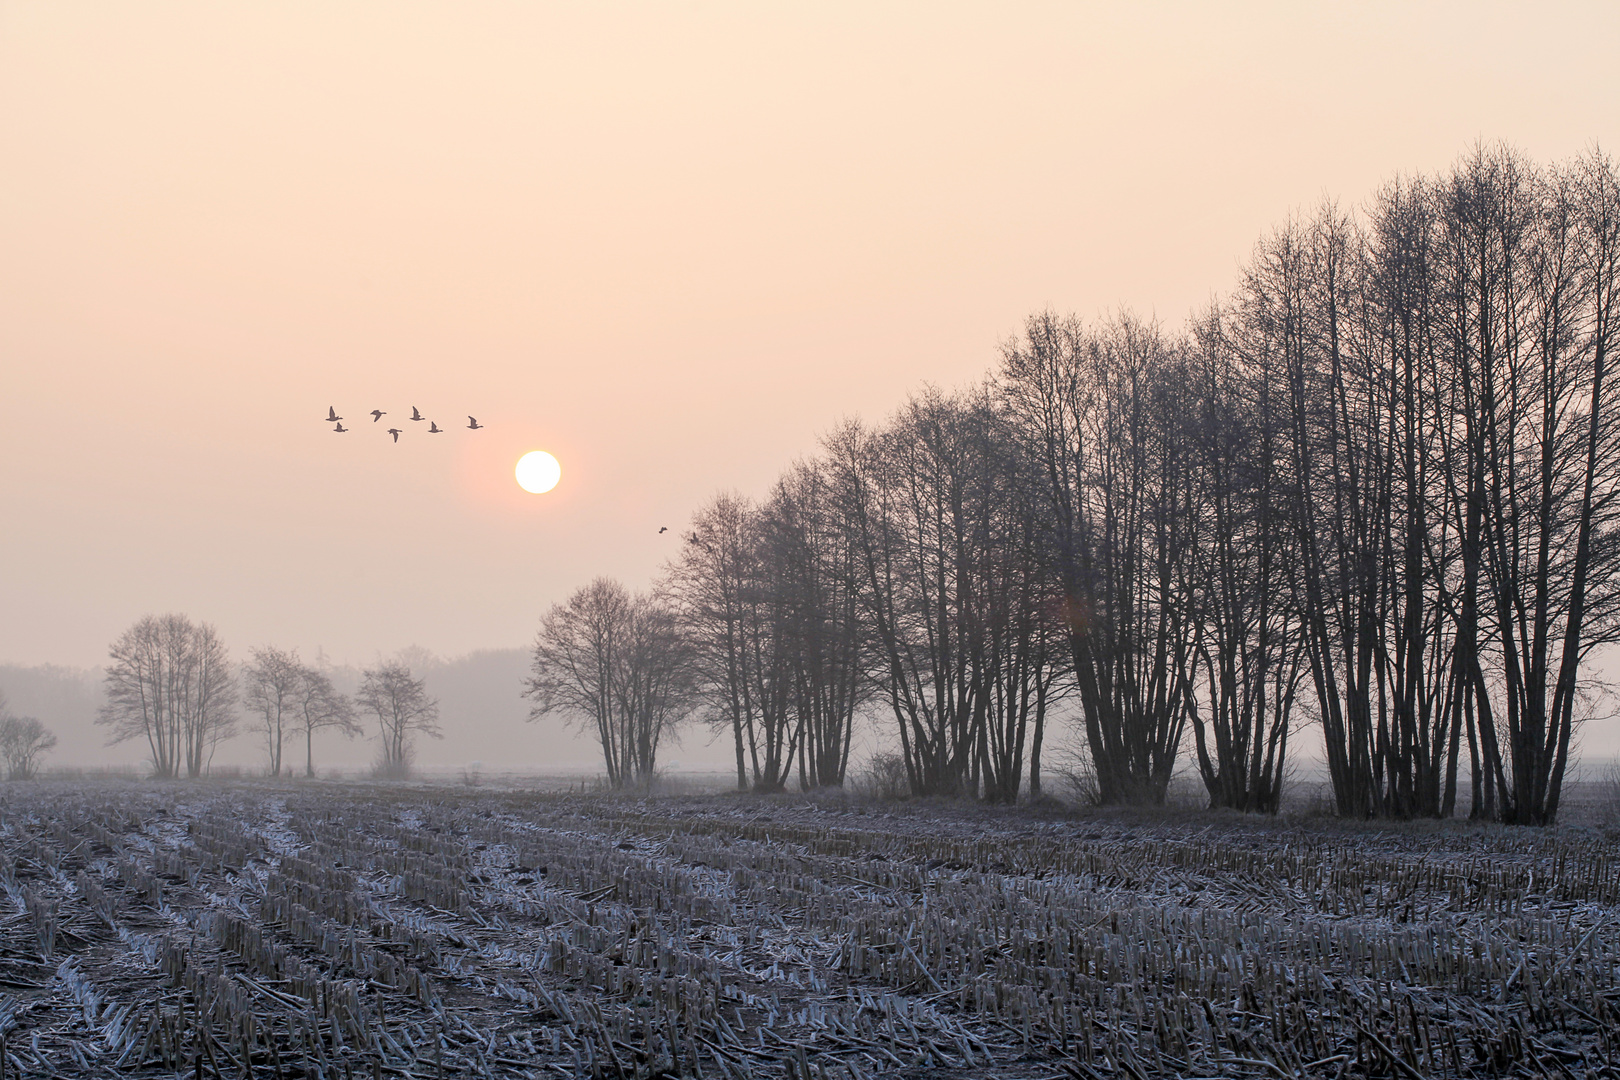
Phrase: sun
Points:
(538, 472)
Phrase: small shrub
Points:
(1608, 793)
(886, 777)
(391, 770)
(1078, 779)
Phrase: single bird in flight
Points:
(416, 415)
(377, 414)
(434, 428)
(394, 431)
(331, 415)
(473, 424)
(664, 530)
(340, 429)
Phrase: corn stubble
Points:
(373, 931)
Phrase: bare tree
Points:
(768, 596)
(23, 741)
(319, 706)
(959, 602)
(1534, 263)
(573, 670)
(825, 641)
(211, 716)
(403, 709)
(1101, 416)
(1248, 640)
(736, 614)
(621, 664)
(904, 494)
(170, 683)
(272, 680)
(655, 690)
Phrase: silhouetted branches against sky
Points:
(1376, 487)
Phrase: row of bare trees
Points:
(171, 685)
(1433, 384)
(1375, 489)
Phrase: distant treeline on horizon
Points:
(477, 692)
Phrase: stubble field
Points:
(332, 930)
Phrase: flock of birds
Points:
(332, 417)
(336, 421)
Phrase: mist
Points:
(487, 730)
(481, 713)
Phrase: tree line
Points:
(1373, 490)
(171, 686)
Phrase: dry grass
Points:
(333, 930)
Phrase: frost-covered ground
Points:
(330, 929)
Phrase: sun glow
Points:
(538, 472)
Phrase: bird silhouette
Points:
(377, 414)
(664, 530)
(394, 431)
(473, 424)
(416, 415)
(340, 429)
(434, 428)
(331, 415)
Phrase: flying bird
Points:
(340, 429)
(394, 431)
(473, 424)
(434, 428)
(664, 530)
(377, 414)
(331, 415)
(416, 415)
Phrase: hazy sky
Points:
(671, 243)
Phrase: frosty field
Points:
(339, 930)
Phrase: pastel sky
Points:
(670, 243)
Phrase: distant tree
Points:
(23, 740)
(403, 708)
(272, 681)
(319, 706)
(574, 657)
(623, 662)
(170, 682)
